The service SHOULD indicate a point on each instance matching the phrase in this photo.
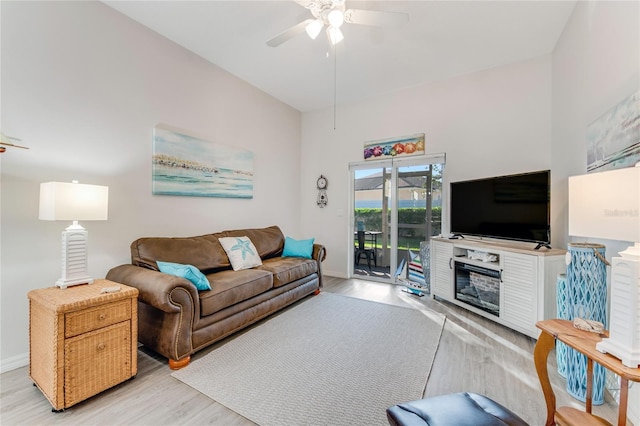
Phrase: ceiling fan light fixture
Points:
(335, 18)
(332, 14)
(335, 35)
(313, 29)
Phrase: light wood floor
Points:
(474, 355)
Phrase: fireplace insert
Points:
(478, 286)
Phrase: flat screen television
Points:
(513, 207)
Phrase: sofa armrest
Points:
(165, 292)
(168, 306)
(319, 254)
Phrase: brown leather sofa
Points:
(176, 320)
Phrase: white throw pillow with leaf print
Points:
(241, 252)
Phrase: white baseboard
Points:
(14, 362)
(335, 274)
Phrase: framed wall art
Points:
(613, 140)
(188, 165)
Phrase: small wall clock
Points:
(322, 184)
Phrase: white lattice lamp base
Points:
(74, 257)
(624, 325)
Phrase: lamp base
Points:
(624, 325)
(627, 355)
(74, 257)
(68, 283)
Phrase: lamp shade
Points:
(73, 201)
(606, 205)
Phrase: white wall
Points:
(596, 64)
(488, 123)
(83, 87)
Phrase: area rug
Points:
(329, 360)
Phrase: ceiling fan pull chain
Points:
(335, 84)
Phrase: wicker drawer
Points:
(82, 341)
(92, 319)
(96, 361)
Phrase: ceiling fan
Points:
(6, 141)
(332, 14)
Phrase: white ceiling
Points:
(442, 39)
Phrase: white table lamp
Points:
(606, 205)
(73, 201)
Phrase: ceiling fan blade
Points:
(289, 34)
(375, 17)
(307, 4)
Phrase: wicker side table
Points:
(82, 341)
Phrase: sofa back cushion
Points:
(204, 252)
(268, 241)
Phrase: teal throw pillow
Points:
(189, 272)
(298, 248)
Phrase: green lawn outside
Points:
(372, 219)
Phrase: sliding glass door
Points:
(370, 236)
(419, 207)
(396, 208)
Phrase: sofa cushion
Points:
(298, 248)
(230, 287)
(204, 252)
(241, 252)
(288, 269)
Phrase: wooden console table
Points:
(585, 343)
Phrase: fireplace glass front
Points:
(478, 287)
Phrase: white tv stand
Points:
(521, 280)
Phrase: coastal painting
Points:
(387, 148)
(613, 140)
(192, 166)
